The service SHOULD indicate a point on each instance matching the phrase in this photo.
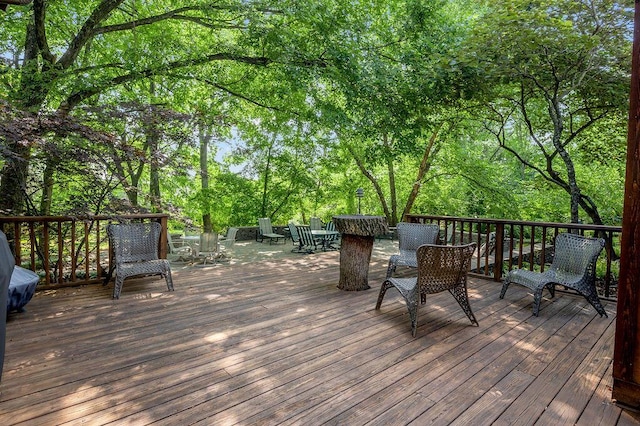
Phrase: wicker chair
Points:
(135, 252)
(573, 266)
(410, 237)
(440, 268)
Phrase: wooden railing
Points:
(67, 251)
(520, 244)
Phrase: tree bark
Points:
(358, 233)
(205, 204)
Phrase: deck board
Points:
(275, 342)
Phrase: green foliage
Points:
(308, 101)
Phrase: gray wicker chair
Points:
(573, 266)
(440, 268)
(135, 252)
(410, 237)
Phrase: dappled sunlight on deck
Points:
(275, 342)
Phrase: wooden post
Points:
(358, 233)
(626, 356)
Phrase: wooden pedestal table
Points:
(358, 233)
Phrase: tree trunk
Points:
(265, 184)
(392, 182)
(47, 188)
(15, 172)
(358, 233)
(154, 169)
(425, 165)
(204, 178)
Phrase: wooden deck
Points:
(275, 342)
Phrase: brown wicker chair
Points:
(440, 268)
(573, 266)
(135, 252)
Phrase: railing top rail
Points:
(13, 219)
(584, 226)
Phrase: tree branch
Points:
(39, 13)
(172, 14)
(85, 34)
(77, 97)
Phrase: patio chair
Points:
(208, 249)
(307, 244)
(410, 237)
(332, 241)
(295, 238)
(226, 243)
(440, 268)
(135, 252)
(266, 231)
(178, 252)
(315, 223)
(573, 266)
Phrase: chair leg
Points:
(167, 276)
(413, 314)
(412, 306)
(537, 297)
(117, 286)
(505, 285)
(460, 294)
(592, 297)
(383, 289)
(391, 268)
(552, 289)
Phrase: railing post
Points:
(162, 247)
(499, 252)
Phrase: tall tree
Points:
(553, 70)
(68, 53)
(393, 97)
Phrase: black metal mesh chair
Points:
(573, 266)
(307, 242)
(295, 238)
(440, 268)
(410, 237)
(332, 241)
(135, 252)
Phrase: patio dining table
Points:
(193, 241)
(326, 240)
